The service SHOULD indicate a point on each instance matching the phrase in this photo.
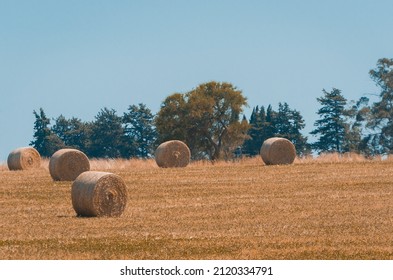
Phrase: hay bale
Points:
(96, 194)
(67, 164)
(172, 153)
(24, 158)
(278, 150)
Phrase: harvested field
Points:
(244, 210)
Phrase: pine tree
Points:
(45, 141)
(140, 131)
(269, 126)
(288, 124)
(331, 127)
(285, 123)
(282, 121)
(107, 137)
(296, 137)
(252, 146)
(73, 132)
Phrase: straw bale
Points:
(172, 153)
(24, 158)
(278, 150)
(67, 164)
(96, 194)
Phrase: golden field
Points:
(333, 208)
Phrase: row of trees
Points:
(268, 123)
(208, 119)
(358, 126)
(109, 135)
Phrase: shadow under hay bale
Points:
(97, 194)
(67, 164)
(24, 158)
(278, 150)
(172, 153)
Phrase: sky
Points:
(75, 57)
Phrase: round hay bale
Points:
(24, 158)
(172, 153)
(96, 194)
(278, 150)
(67, 164)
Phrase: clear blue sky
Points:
(76, 57)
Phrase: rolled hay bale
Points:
(96, 194)
(67, 164)
(172, 153)
(24, 158)
(278, 150)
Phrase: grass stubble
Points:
(332, 209)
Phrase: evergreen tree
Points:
(252, 146)
(261, 128)
(107, 135)
(331, 127)
(61, 128)
(298, 139)
(45, 141)
(139, 130)
(262, 115)
(282, 121)
(269, 126)
(285, 123)
(288, 124)
(73, 132)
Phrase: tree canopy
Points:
(139, 131)
(381, 111)
(107, 136)
(45, 141)
(331, 126)
(206, 118)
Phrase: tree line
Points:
(107, 136)
(209, 120)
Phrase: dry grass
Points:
(313, 209)
(122, 164)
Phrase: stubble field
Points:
(244, 210)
